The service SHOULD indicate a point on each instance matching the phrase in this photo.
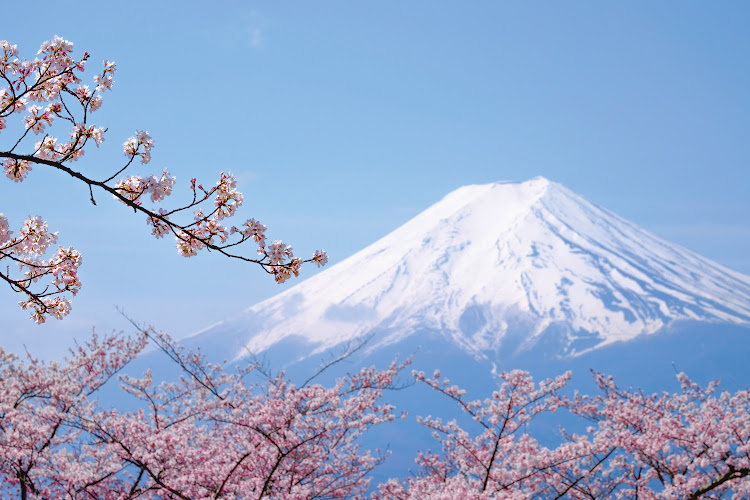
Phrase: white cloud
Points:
(257, 39)
(243, 30)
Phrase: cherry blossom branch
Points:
(55, 75)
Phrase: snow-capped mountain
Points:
(492, 268)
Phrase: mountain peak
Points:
(536, 183)
(497, 261)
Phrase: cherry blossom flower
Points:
(320, 258)
(16, 170)
(5, 232)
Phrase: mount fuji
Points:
(499, 272)
(492, 278)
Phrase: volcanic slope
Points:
(492, 269)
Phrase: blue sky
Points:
(342, 120)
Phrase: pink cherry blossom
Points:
(320, 258)
(5, 232)
(16, 170)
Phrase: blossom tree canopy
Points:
(208, 435)
(688, 445)
(212, 434)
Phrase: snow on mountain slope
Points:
(489, 261)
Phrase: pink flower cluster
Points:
(255, 230)
(227, 199)
(38, 118)
(139, 145)
(320, 258)
(26, 251)
(16, 170)
(134, 187)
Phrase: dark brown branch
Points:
(176, 228)
(730, 475)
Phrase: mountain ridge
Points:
(489, 261)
